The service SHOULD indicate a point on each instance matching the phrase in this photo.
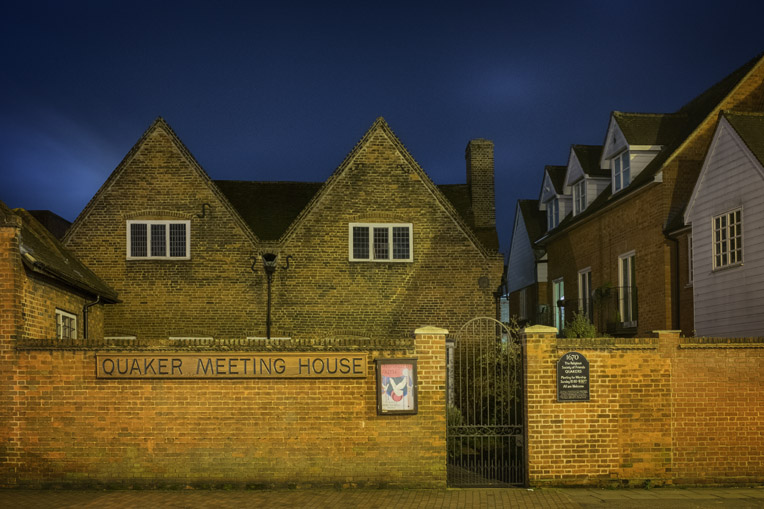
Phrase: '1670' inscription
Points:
(573, 377)
(231, 365)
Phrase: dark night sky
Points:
(284, 90)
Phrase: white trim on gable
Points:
(575, 171)
(615, 142)
(548, 191)
(724, 128)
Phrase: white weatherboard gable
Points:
(615, 142)
(521, 264)
(574, 169)
(727, 300)
(548, 191)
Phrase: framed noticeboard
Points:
(396, 386)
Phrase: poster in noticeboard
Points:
(396, 386)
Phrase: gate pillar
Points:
(538, 342)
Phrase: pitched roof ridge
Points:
(159, 122)
(742, 113)
(677, 114)
(268, 181)
(583, 145)
(380, 123)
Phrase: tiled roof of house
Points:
(589, 157)
(694, 112)
(650, 128)
(42, 253)
(534, 219)
(557, 176)
(269, 208)
(750, 127)
(55, 224)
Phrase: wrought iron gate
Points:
(485, 432)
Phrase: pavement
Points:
(568, 498)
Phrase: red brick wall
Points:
(661, 411)
(70, 428)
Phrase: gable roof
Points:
(483, 238)
(43, 254)
(589, 158)
(650, 128)
(159, 123)
(750, 128)
(533, 218)
(699, 109)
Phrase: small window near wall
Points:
(66, 325)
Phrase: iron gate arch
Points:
(485, 431)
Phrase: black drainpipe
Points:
(269, 263)
(85, 316)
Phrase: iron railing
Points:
(613, 310)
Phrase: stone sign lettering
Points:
(573, 377)
(231, 365)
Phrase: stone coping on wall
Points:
(721, 343)
(607, 343)
(406, 345)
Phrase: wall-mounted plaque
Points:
(396, 386)
(572, 377)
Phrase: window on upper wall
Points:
(585, 293)
(579, 196)
(728, 239)
(553, 214)
(66, 325)
(158, 240)
(380, 242)
(627, 289)
(621, 172)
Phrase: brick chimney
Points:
(479, 156)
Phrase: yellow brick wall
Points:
(69, 428)
(216, 293)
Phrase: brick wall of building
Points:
(69, 428)
(662, 410)
(216, 293)
(639, 223)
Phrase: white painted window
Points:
(585, 292)
(627, 290)
(522, 311)
(621, 171)
(728, 239)
(158, 240)
(553, 214)
(380, 242)
(579, 197)
(558, 301)
(66, 325)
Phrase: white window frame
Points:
(62, 317)
(727, 239)
(621, 164)
(626, 296)
(390, 244)
(166, 224)
(579, 196)
(585, 292)
(558, 294)
(553, 214)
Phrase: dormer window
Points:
(579, 196)
(553, 214)
(621, 171)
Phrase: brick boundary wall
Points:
(662, 410)
(68, 428)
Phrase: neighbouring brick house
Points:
(45, 291)
(623, 248)
(375, 251)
